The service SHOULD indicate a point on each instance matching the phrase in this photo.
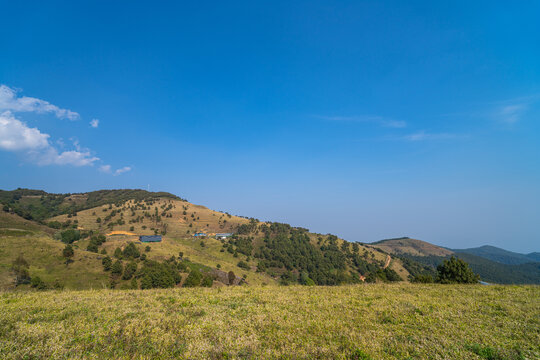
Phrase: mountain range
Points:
(494, 265)
(37, 226)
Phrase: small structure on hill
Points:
(223, 236)
(150, 238)
(120, 232)
(200, 234)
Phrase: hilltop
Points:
(492, 264)
(103, 224)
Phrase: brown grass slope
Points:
(178, 220)
(414, 247)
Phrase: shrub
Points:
(70, 236)
(207, 281)
(194, 279)
(423, 278)
(20, 268)
(54, 224)
(243, 265)
(38, 284)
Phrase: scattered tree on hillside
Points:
(117, 268)
(131, 251)
(456, 271)
(107, 263)
(130, 270)
(70, 236)
(68, 253)
(20, 267)
(38, 284)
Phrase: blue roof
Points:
(150, 238)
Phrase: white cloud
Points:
(108, 170)
(122, 170)
(35, 146)
(17, 136)
(10, 101)
(379, 120)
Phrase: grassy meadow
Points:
(379, 321)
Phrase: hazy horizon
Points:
(368, 121)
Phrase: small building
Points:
(223, 236)
(200, 234)
(150, 238)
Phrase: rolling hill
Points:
(500, 255)
(413, 252)
(38, 224)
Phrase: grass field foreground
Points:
(346, 322)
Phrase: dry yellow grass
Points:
(347, 322)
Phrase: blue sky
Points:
(368, 120)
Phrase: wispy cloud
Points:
(105, 169)
(108, 170)
(122, 170)
(511, 114)
(378, 120)
(10, 101)
(94, 123)
(425, 136)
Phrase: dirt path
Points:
(387, 262)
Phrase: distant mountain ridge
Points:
(500, 255)
(487, 261)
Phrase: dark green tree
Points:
(107, 263)
(129, 270)
(117, 268)
(68, 253)
(456, 271)
(38, 284)
(131, 251)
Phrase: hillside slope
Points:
(259, 252)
